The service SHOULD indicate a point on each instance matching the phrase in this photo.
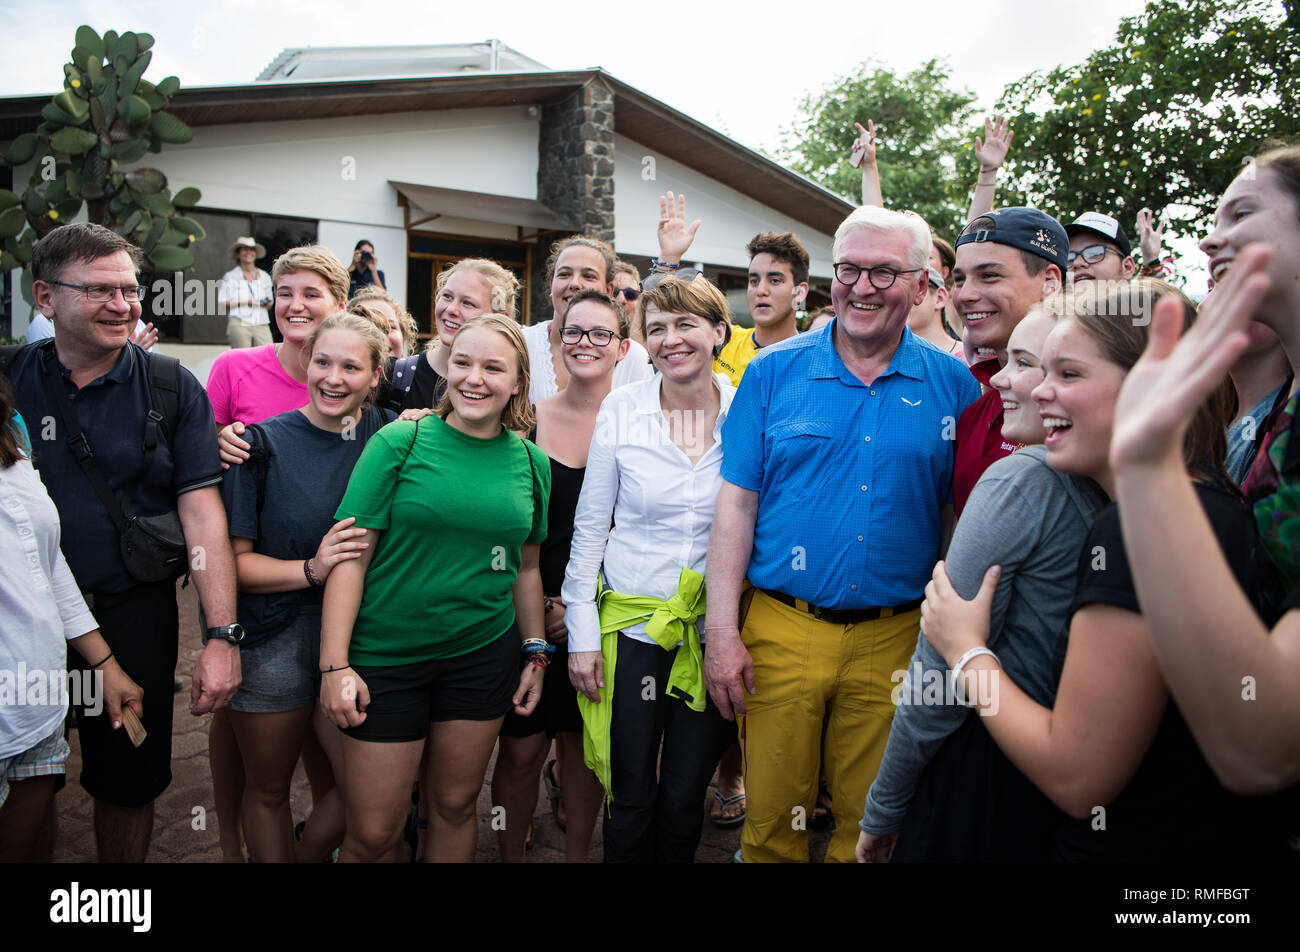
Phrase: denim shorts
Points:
(283, 672)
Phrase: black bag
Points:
(153, 547)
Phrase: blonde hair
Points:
(373, 292)
(502, 281)
(518, 414)
(319, 260)
(374, 337)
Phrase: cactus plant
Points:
(106, 118)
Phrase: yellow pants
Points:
(811, 673)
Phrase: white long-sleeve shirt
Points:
(542, 382)
(661, 505)
(41, 609)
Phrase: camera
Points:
(367, 257)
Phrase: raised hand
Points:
(1176, 374)
(864, 146)
(675, 236)
(992, 149)
(1151, 234)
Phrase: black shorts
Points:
(557, 711)
(406, 698)
(142, 628)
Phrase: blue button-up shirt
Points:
(851, 478)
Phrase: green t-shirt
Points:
(454, 513)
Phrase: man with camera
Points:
(365, 269)
(123, 442)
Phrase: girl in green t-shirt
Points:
(421, 635)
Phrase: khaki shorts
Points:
(239, 334)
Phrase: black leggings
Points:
(657, 819)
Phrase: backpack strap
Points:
(404, 372)
(7, 354)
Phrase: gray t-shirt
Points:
(1031, 520)
(305, 480)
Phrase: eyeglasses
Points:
(681, 274)
(1091, 254)
(881, 277)
(103, 293)
(599, 336)
(628, 294)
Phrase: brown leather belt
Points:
(842, 616)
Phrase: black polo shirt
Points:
(111, 411)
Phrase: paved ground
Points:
(176, 841)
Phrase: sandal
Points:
(553, 792)
(722, 821)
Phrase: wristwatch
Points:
(231, 633)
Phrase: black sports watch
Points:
(231, 633)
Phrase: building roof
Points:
(355, 62)
(637, 116)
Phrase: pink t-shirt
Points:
(248, 384)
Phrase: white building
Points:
(434, 153)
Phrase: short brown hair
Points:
(604, 250)
(623, 267)
(518, 415)
(1285, 163)
(698, 296)
(319, 260)
(600, 297)
(79, 241)
(783, 246)
(1118, 319)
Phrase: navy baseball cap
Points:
(1099, 224)
(1027, 229)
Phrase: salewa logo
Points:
(909, 402)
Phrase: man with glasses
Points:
(86, 282)
(837, 468)
(1007, 261)
(1099, 249)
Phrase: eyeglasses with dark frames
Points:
(1091, 254)
(103, 293)
(882, 278)
(599, 336)
(628, 294)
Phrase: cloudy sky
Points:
(740, 67)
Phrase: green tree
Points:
(105, 119)
(1165, 117)
(925, 131)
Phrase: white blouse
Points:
(541, 368)
(661, 506)
(41, 609)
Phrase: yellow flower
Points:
(54, 216)
(76, 84)
(1087, 112)
(1123, 161)
(1096, 97)
(1076, 79)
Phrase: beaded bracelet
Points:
(664, 266)
(314, 580)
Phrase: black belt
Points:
(843, 616)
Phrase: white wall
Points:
(338, 169)
(729, 218)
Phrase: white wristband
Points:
(960, 666)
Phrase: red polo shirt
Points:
(979, 437)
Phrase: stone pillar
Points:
(575, 174)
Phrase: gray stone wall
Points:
(575, 174)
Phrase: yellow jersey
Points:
(737, 354)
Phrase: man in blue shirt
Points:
(837, 493)
(87, 283)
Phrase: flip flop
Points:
(727, 822)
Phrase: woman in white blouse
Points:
(41, 611)
(654, 468)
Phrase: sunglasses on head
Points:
(682, 274)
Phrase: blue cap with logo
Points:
(1027, 229)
